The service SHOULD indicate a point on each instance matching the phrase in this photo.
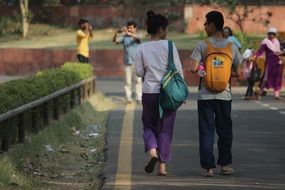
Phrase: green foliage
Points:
(248, 41)
(10, 25)
(18, 92)
(202, 35)
(9, 175)
(174, 15)
(240, 12)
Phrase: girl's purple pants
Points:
(157, 133)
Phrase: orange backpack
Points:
(218, 64)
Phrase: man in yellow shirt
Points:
(83, 35)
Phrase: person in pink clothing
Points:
(247, 62)
(273, 73)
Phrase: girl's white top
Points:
(151, 63)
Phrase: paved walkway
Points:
(5, 78)
(258, 149)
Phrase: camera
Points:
(120, 30)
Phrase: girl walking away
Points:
(273, 74)
(151, 64)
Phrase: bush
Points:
(19, 92)
(10, 26)
(248, 41)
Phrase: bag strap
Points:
(170, 56)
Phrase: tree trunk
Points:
(24, 5)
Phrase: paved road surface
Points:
(5, 78)
(258, 149)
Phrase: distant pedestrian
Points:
(214, 94)
(130, 38)
(273, 71)
(83, 35)
(151, 64)
(228, 33)
(248, 66)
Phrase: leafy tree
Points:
(25, 13)
(240, 12)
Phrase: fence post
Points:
(85, 91)
(65, 104)
(21, 129)
(34, 120)
(89, 88)
(45, 113)
(79, 95)
(72, 99)
(94, 86)
(5, 136)
(55, 109)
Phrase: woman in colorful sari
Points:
(273, 73)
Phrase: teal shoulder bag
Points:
(174, 90)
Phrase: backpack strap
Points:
(170, 56)
(227, 50)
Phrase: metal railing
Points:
(82, 90)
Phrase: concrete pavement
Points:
(6, 78)
(258, 148)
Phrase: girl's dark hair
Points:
(155, 21)
(229, 29)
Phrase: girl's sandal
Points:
(209, 173)
(161, 173)
(151, 164)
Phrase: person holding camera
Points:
(83, 35)
(130, 38)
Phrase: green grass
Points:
(30, 166)
(45, 36)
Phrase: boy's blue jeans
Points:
(215, 115)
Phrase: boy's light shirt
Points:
(82, 40)
(130, 46)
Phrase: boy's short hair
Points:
(132, 23)
(216, 18)
(82, 21)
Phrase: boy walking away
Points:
(130, 39)
(83, 35)
(214, 95)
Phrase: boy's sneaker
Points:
(128, 102)
(227, 170)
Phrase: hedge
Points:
(19, 92)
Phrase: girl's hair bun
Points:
(150, 14)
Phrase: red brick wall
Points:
(27, 61)
(99, 16)
(107, 63)
(195, 16)
(110, 16)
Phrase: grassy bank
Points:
(68, 154)
(45, 36)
